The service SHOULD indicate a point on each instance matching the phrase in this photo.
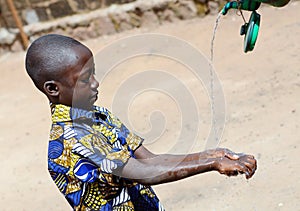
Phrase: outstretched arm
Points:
(151, 169)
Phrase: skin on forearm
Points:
(150, 169)
(166, 168)
(143, 153)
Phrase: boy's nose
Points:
(95, 83)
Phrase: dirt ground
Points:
(261, 89)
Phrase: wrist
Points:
(210, 164)
(215, 164)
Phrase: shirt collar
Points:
(63, 113)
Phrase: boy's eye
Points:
(85, 80)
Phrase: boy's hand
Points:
(222, 153)
(246, 164)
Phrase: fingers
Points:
(232, 155)
(242, 168)
(232, 173)
(231, 167)
(245, 165)
(246, 160)
(251, 164)
(223, 152)
(233, 163)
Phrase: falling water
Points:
(214, 125)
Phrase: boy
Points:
(94, 160)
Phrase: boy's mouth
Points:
(95, 96)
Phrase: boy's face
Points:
(78, 87)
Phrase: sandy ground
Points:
(262, 92)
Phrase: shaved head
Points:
(48, 57)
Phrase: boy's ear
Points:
(51, 88)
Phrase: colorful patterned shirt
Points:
(85, 148)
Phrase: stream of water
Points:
(212, 94)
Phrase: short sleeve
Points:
(134, 141)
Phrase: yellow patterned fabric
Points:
(85, 148)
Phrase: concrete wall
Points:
(39, 10)
(84, 19)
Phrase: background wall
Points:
(84, 19)
(33, 11)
